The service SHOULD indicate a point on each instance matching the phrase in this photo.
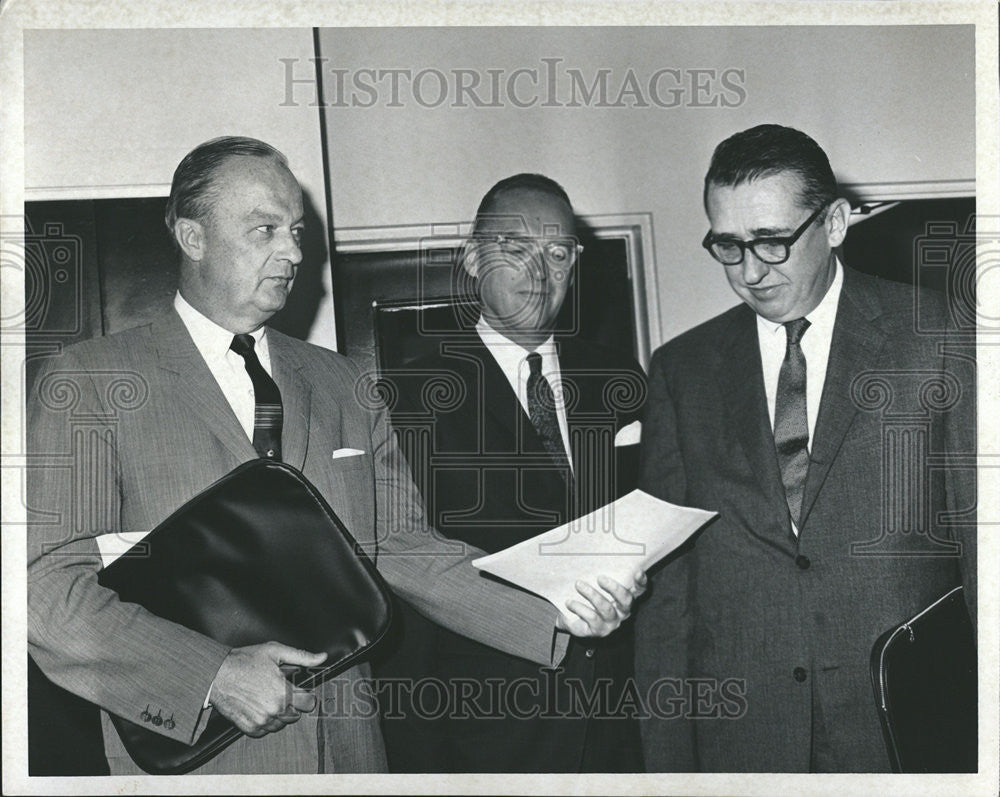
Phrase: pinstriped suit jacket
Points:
(123, 430)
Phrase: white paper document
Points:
(629, 534)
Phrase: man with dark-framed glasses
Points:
(523, 423)
(803, 416)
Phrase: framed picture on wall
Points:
(396, 289)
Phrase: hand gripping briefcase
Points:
(258, 556)
(924, 676)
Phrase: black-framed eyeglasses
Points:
(773, 251)
(558, 252)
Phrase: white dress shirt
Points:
(815, 345)
(228, 368)
(513, 361)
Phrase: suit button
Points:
(270, 452)
(168, 723)
(799, 674)
(157, 720)
(589, 653)
(803, 562)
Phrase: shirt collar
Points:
(507, 352)
(823, 315)
(211, 340)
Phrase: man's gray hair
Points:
(192, 190)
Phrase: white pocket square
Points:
(629, 435)
(346, 452)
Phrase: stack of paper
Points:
(632, 533)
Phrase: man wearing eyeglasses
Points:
(803, 416)
(522, 422)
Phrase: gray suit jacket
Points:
(773, 633)
(123, 430)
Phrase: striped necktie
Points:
(267, 416)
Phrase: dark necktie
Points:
(267, 416)
(791, 424)
(542, 412)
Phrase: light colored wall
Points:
(887, 104)
(110, 113)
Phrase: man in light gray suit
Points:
(142, 421)
(808, 417)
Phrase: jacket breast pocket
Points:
(348, 486)
(345, 462)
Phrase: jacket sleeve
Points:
(435, 574)
(663, 621)
(114, 654)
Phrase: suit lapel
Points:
(857, 341)
(196, 386)
(295, 398)
(496, 399)
(741, 384)
(592, 423)
(500, 405)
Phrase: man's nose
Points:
(290, 249)
(754, 269)
(535, 264)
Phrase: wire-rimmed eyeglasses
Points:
(558, 252)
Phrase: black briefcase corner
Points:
(924, 677)
(262, 528)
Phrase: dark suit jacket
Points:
(781, 629)
(489, 482)
(126, 428)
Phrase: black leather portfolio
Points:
(924, 676)
(258, 556)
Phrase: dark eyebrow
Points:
(722, 236)
(771, 232)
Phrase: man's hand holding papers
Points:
(598, 616)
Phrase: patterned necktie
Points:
(267, 416)
(542, 412)
(791, 424)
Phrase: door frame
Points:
(636, 229)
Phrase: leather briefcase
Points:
(258, 556)
(924, 676)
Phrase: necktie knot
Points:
(795, 329)
(242, 345)
(535, 364)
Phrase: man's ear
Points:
(190, 237)
(837, 220)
